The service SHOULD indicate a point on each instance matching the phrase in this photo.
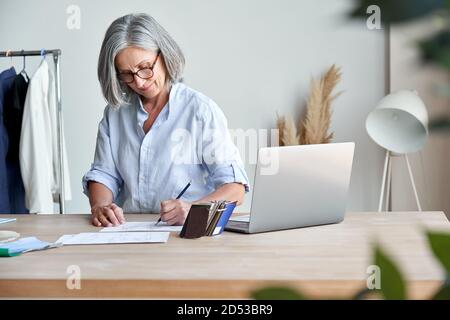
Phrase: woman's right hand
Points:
(107, 216)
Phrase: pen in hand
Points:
(179, 196)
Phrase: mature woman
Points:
(156, 134)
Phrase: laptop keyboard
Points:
(238, 224)
(244, 218)
(241, 223)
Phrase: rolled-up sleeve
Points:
(103, 170)
(220, 156)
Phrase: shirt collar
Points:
(170, 103)
(165, 112)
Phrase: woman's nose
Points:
(139, 81)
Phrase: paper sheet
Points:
(143, 226)
(113, 238)
(5, 220)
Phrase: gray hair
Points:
(135, 30)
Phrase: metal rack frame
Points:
(56, 59)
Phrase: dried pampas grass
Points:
(317, 122)
(287, 131)
(280, 125)
(318, 109)
(290, 137)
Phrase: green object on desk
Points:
(5, 253)
(14, 248)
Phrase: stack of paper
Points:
(113, 238)
(5, 220)
(129, 232)
(143, 226)
(23, 245)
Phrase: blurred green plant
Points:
(392, 283)
(435, 49)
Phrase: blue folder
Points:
(226, 214)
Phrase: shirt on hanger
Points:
(38, 150)
(13, 112)
(6, 82)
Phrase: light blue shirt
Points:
(189, 141)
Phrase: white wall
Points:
(253, 57)
(431, 167)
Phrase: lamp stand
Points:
(387, 179)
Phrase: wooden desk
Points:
(323, 261)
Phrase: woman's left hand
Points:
(174, 212)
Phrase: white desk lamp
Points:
(399, 124)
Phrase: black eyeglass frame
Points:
(121, 75)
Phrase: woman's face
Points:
(133, 59)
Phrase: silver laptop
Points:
(298, 186)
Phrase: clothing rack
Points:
(56, 58)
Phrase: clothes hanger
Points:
(43, 54)
(8, 54)
(24, 61)
(23, 72)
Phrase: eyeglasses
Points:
(143, 73)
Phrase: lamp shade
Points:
(399, 123)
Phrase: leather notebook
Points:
(207, 219)
(196, 221)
